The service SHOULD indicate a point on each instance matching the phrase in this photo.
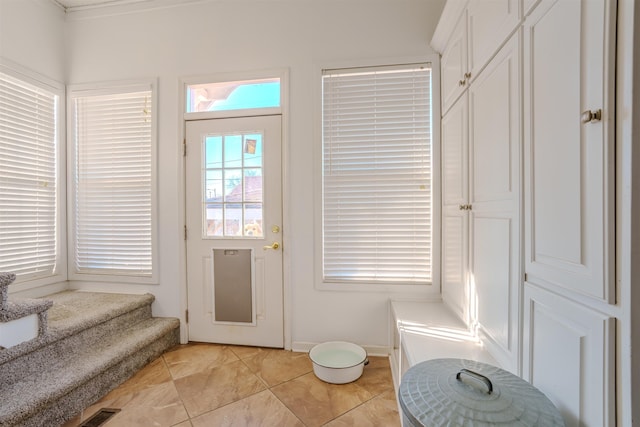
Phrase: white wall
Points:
(243, 35)
(31, 35)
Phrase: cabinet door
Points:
(453, 65)
(455, 174)
(454, 219)
(490, 23)
(569, 356)
(494, 152)
(568, 69)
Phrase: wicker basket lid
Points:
(458, 392)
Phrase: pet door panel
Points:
(232, 284)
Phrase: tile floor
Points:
(198, 385)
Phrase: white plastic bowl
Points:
(338, 362)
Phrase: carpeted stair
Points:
(89, 344)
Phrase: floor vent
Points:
(100, 417)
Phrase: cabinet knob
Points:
(590, 116)
(467, 76)
(462, 207)
(462, 83)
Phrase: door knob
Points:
(274, 246)
(591, 116)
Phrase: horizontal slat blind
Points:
(113, 183)
(377, 175)
(28, 179)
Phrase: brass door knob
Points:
(273, 246)
(591, 116)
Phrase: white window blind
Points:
(113, 182)
(28, 179)
(377, 186)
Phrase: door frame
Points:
(183, 117)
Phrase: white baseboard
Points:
(20, 291)
(372, 350)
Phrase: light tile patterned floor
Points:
(203, 385)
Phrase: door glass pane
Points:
(232, 151)
(233, 185)
(232, 219)
(253, 185)
(213, 157)
(253, 150)
(213, 186)
(214, 220)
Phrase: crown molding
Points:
(448, 20)
(100, 8)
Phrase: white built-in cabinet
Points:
(481, 151)
(569, 220)
(528, 191)
(569, 284)
(453, 64)
(479, 30)
(489, 23)
(494, 202)
(455, 216)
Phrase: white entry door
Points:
(234, 236)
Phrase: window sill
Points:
(375, 287)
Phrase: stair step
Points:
(80, 316)
(94, 342)
(22, 307)
(70, 383)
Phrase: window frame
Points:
(104, 88)
(58, 89)
(334, 285)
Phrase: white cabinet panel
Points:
(455, 231)
(569, 357)
(491, 277)
(494, 151)
(455, 228)
(480, 266)
(453, 65)
(568, 181)
(494, 117)
(454, 155)
(490, 22)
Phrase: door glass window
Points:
(233, 191)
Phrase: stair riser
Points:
(65, 408)
(31, 363)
